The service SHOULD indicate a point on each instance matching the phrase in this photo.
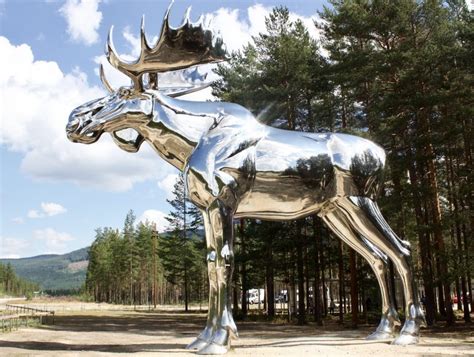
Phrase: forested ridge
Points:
(53, 273)
(397, 72)
(12, 285)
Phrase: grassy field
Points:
(84, 329)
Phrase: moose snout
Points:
(74, 130)
(72, 125)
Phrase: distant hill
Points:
(53, 271)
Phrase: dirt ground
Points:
(81, 330)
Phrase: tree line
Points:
(399, 73)
(138, 265)
(13, 285)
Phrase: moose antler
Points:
(177, 48)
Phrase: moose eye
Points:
(124, 92)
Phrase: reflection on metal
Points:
(236, 167)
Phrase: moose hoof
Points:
(380, 335)
(202, 340)
(405, 339)
(212, 349)
(197, 344)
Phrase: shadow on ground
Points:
(114, 348)
(175, 330)
(143, 324)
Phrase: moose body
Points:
(236, 167)
(297, 173)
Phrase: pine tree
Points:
(179, 250)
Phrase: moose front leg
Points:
(206, 335)
(221, 264)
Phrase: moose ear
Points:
(127, 139)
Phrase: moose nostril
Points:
(86, 123)
(72, 125)
(95, 111)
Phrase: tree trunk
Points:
(341, 281)
(354, 289)
(292, 292)
(441, 304)
(423, 241)
(269, 275)
(243, 269)
(436, 215)
(317, 268)
(307, 282)
(186, 288)
(455, 230)
(235, 300)
(300, 272)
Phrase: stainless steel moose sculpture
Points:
(236, 167)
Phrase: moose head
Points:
(176, 48)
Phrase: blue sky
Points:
(54, 194)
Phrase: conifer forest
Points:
(400, 73)
(12, 285)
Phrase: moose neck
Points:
(175, 129)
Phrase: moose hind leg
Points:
(365, 218)
(377, 261)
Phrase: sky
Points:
(54, 193)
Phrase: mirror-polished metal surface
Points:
(236, 167)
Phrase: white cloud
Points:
(12, 248)
(237, 32)
(37, 130)
(167, 185)
(48, 209)
(56, 242)
(470, 5)
(83, 20)
(133, 42)
(155, 216)
(52, 209)
(32, 213)
(18, 220)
